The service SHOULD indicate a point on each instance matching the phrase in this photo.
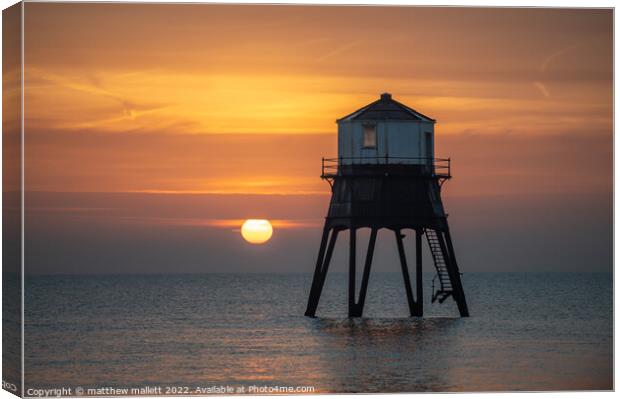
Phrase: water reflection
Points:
(385, 355)
(415, 328)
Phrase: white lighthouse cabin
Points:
(386, 131)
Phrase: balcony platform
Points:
(430, 168)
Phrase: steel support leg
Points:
(455, 275)
(419, 301)
(405, 270)
(352, 274)
(358, 308)
(320, 272)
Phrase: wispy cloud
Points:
(339, 50)
(544, 66)
(94, 86)
(553, 56)
(230, 224)
(543, 89)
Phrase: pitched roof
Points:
(386, 108)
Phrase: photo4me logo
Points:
(265, 389)
(9, 386)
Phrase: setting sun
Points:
(256, 231)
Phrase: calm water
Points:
(527, 332)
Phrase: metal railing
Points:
(331, 167)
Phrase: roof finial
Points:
(386, 96)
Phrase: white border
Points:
(470, 3)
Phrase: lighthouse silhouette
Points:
(386, 176)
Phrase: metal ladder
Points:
(440, 260)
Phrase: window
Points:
(370, 136)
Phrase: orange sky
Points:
(131, 97)
(128, 104)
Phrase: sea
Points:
(247, 333)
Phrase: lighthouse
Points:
(386, 176)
